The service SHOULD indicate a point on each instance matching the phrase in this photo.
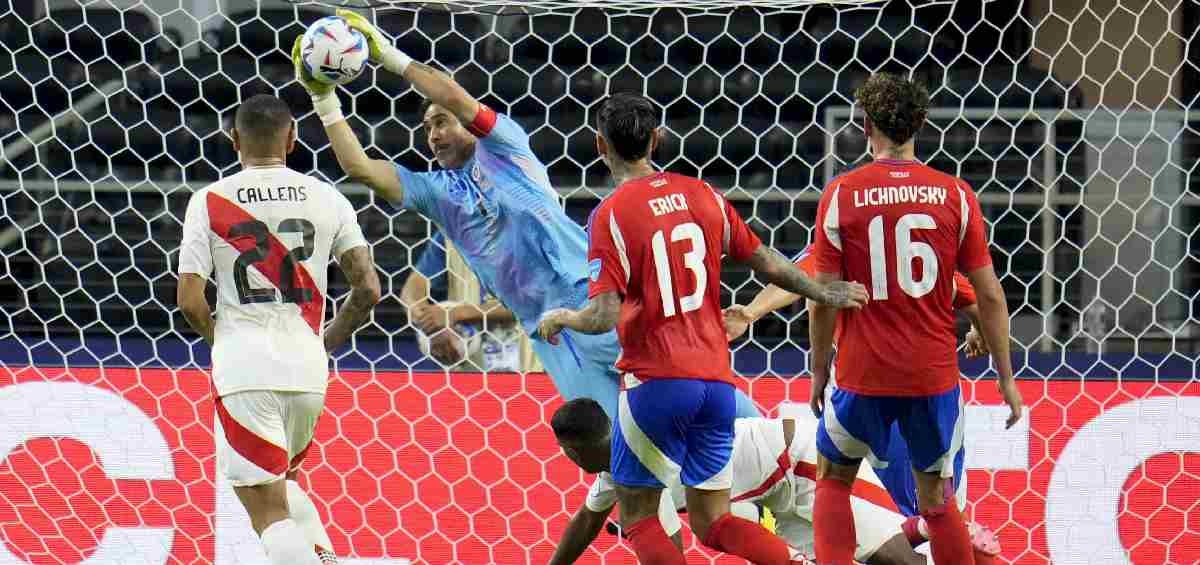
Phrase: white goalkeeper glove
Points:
(324, 96)
(382, 51)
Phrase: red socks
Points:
(833, 524)
(651, 543)
(748, 540)
(948, 535)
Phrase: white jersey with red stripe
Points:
(782, 478)
(268, 234)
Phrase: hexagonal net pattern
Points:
(1069, 121)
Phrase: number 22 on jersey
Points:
(906, 252)
(287, 269)
(693, 260)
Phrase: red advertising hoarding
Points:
(117, 466)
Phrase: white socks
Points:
(305, 515)
(286, 544)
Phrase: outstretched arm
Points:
(779, 271)
(435, 85)
(378, 174)
(738, 318)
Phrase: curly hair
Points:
(896, 105)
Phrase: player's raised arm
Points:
(435, 85)
(379, 174)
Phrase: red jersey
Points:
(964, 291)
(658, 241)
(902, 229)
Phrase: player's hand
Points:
(430, 318)
(975, 345)
(446, 347)
(317, 89)
(845, 294)
(820, 380)
(552, 324)
(737, 321)
(382, 52)
(1012, 397)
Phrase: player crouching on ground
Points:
(773, 464)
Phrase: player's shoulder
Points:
(929, 175)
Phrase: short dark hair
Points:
(580, 420)
(896, 105)
(262, 119)
(627, 121)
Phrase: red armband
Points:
(485, 120)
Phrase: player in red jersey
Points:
(906, 228)
(897, 477)
(655, 265)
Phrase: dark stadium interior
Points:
(745, 94)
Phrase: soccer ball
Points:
(333, 52)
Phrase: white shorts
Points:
(874, 525)
(264, 434)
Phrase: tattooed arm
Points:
(600, 316)
(356, 263)
(776, 268)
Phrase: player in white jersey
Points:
(773, 465)
(266, 235)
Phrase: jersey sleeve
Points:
(195, 253)
(603, 493)
(608, 265)
(433, 258)
(349, 233)
(827, 245)
(743, 242)
(498, 132)
(964, 293)
(972, 242)
(423, 191)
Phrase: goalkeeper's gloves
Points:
(382, 51)
(324, 96)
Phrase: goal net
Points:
(1070, 119)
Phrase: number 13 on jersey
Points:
(693, 261)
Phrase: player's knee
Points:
(827, 469)
(265, 504)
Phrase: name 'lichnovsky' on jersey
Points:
(902, 229)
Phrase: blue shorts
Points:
(855, 427)
(583, 365)
(673, 429)
(898, 478)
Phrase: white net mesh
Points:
(1069, 118)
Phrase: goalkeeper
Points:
(492, 198)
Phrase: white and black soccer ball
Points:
(333, 52)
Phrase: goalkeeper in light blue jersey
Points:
(494, 201)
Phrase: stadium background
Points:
(1069, 117)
